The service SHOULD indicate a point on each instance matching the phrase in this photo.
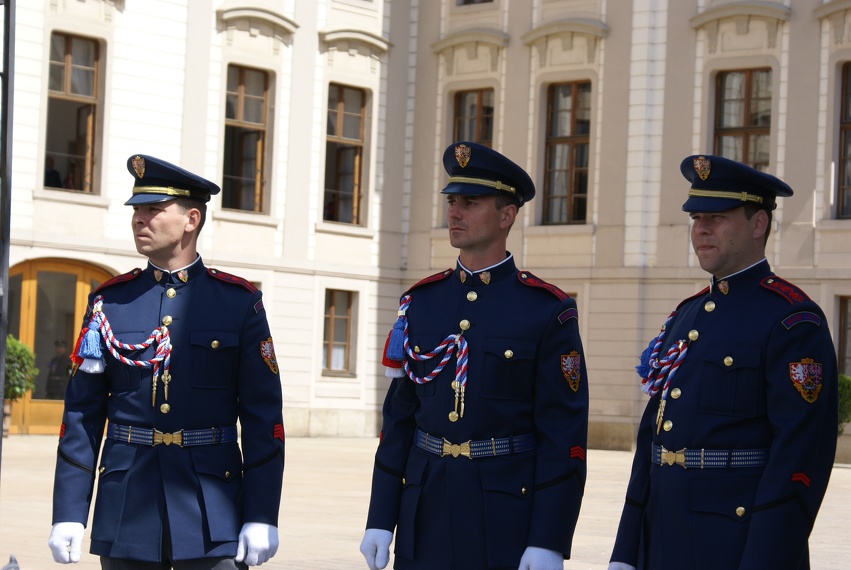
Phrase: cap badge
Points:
(462, 154)
(139, 166)
(702, 166)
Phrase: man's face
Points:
(475, 224)
(158, 230)
(727, 242)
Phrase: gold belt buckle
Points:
(168, 438)
(456, 449)
(672, 457)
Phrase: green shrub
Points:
(20, 369)
(844, 401)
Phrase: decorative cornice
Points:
(376, 42)
(773, 13)
(835, 12)
(234, 11)
(591, 29)
(495, 40)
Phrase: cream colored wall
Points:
(652, 68)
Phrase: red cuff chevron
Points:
(577, 452)
(802, 477)
(278, 432)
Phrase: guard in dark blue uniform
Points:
(737, 442)
(481, 462)
(176, 367)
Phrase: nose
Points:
(453, 211)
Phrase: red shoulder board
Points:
(130, 275)
(700, 293)
(528, 279)
(431, 279)
(785, 289)
(228, 278)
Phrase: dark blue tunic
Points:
(219, 376)
(524, 345)
(739, 387)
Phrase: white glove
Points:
(65, 542)
(375, 547)
(535, 558)
(620, 566)
(258, 542)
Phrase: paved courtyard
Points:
(323, 509)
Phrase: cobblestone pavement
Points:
(323, 509)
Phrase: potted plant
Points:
(20, 375)
(844, 401)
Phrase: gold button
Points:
(692, 335)
(472, 296)
(404, 482)
(709, 306)
(167, 320)
(417, 349)
(165, 408)
(676, 393)
(101, 470)
(509, 353)
(668, 425)
(214, 344)
(740, 511)
(524, 491)
(465, 324)
(170, 293)
(728, 361)
(227, 474)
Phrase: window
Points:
(344, 154)
(743, 116)
(245, 138)
(474, 116)
(845, 335)
(72, 102)
(843, 189)
(566, 167)
(336, 342)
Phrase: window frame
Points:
(239, 127)
(480, 118)
(843, 192)
(329, 341)
(331, 195)
(571, 194)
(744, 132)
(83, 162)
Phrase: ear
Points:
(760, 224)
(507, 216)
(193, 218)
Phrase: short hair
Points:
(186, 204)
(503, 200)
(751, 209)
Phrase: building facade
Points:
(324, 122)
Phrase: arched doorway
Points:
(47, 302)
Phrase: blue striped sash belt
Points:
(182, 438)
(710, 458)
(474, 449)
